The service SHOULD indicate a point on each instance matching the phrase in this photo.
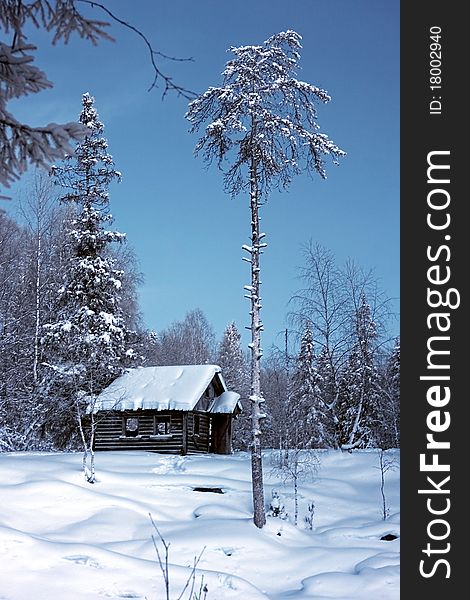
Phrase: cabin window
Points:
(162, 425)
(196, 424)
(131, 426)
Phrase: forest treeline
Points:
(70, 324)
(333, 383)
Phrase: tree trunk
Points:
(259, 516)
(357, 420)
(37, 329)
(296, 492)
(88, 456)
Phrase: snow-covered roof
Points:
(164, 388)
(225, 403)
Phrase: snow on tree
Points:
(15, 328)
(232, 361)
(328, 391)
(274, 385)
(390, 400)
(358, 410)
(303, 387)
(85, 346)
(30, 266)
(310, 420)
(264, 121)
(323, 301)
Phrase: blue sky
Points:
(186, 232)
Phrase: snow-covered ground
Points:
(61, 537)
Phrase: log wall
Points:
(110, 432)
(184, 436)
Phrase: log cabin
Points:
(171, 409)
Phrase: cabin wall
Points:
(110, 432)
(190, 433)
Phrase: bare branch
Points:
(158, 74)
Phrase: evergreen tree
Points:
(327, 384)
(235, 372)
(358, 410)
(84, 346)
(310, 422)
(265, 120)
(390, 400)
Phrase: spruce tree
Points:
(390, 400)
(84, 346)
(358, 409)
(310, 422)
(328, 392)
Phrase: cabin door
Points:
(221, 434)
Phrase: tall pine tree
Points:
(84, 347)
(264, 120)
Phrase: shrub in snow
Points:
(277, 508)
(294, 465)
(309, 516)
(189, 591)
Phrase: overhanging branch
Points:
(158, 74)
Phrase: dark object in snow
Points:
(214, 490)
(276, 508)
(389, 537)
(170, 409)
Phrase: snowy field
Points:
(61, 537)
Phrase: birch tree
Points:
(187, 342)
(323, 301)
(43, 220)
(264, 122)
